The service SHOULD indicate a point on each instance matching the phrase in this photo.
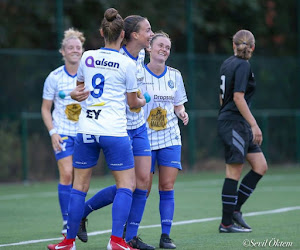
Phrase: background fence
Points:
(26, 152)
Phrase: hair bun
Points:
(111, 14)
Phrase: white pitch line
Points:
(275, 211)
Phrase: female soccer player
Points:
(108, 76)
(138, 34)
(239, 132)
(166, 89)
(63, 123)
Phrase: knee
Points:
(143, 181)
(167, 186)
(66, 178)
(263, 169)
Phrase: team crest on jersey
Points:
(157, 119)
(171, 84)
(73, 111)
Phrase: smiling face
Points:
(160, 49)
(72, 51)
(144, 34)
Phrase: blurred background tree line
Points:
(201, 32)
(32, 24)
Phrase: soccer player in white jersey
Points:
(63, 123)
(109, 77)
(166, 89)
(138, 34)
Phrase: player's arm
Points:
(135, 100)
(180, 112)
(47, 118)
(79, 93)
(240, 102)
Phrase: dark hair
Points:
(112, 25)
(159, 34)
(244, 41)
(132, 24)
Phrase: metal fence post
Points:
(191, 94)
(24, 147)
(298, 136)
(265, 144)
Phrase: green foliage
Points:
(33, 24)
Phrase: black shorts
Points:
(238, 140)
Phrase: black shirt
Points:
(236, 76)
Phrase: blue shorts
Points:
(169, 157)
(139, 141)
(67, 147)
(117, 151)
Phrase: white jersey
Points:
(57, 88)
(166, 91)
(109, 76)
(135, 119)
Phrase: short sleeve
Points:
(180, 94)
(80, 76)
(49, 88)
(131, 82)
(241, 77)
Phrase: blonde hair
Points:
(244, 42)
(159, 34)
(71, 34)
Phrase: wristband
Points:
(52, 131)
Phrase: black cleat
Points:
(166, 242)
(137, 243)
(238, 219)
(82, 234)
(233, 229)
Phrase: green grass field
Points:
(30, 216)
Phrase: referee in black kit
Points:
(239, 133)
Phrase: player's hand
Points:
(184, 117)
(257, 135)
(56, 142)
(79, 93)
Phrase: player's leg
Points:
(169, 163)
(65, 169)
(142, 162)
(122, 166)
(235, 140)
(248, 184)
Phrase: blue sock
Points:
(136, 213)
(120, 210)
(103, 198)
(75, 211)
(166, 209)
(64, 197)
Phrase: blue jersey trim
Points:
(69, 73)
(109, 49)
(127, 52)
(161, 75)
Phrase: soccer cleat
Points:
(82, 234)
(116, 243)
(233, 229)
(238, 219)
(137, 243)
(166, 242)
(64, 229)
(66, 244)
